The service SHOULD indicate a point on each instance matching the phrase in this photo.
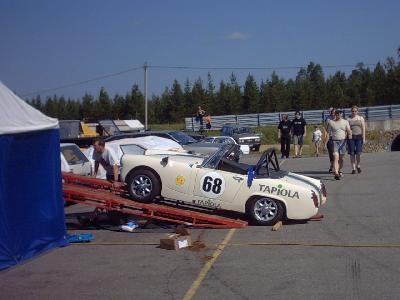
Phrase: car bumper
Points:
(253, 146)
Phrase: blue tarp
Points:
(31, 205)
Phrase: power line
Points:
(182, 68)
(83, 82)
(249, 68)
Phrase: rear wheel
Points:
(143, 185)
(264, 211)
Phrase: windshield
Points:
(182, 138)
(244, 130)
(213, 161)
(73, 155)
(132, 149)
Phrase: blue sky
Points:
(46, 44)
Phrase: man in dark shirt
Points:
(299, 130)
(284, 135)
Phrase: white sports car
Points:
(265, 194)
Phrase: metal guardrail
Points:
(311, 116)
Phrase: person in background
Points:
(338, 131)
(107, 159)
(317, 137)
(355, 144)
(200, 116)
(328, 141)
(207, 119)
(284, 135)
(299, 129)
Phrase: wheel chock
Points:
(317, 217)
(277, 226)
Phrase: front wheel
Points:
(264, 211)
(143, 185)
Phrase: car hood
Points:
(202, 147)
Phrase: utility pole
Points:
(145, 95)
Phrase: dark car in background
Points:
(243, 135)
(188, 143)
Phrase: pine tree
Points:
(119, 108)
(188, 101)
(103, 106)
(177, 100)
(210, 95)
(251, 96)
(87, 111)
(198, 95)
(235, 94)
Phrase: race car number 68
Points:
(212, 185)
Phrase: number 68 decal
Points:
(212, 185)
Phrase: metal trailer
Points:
(100, 194)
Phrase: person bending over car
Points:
(107, 159)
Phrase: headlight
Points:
(241, 141)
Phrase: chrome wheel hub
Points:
(141, 186)
(265, 209)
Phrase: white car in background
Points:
(245, 149)
(145, 145)
(73, 160)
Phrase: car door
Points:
(176, 185)
(217, 185)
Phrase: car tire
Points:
(257, 148)
(264, 211)
(143, 185)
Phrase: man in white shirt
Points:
(107, 158)
(338, 131)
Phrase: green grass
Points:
(169, 126)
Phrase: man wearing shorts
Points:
(299, 132)
(338, 131)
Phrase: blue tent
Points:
(31, 205)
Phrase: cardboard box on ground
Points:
(178, 240)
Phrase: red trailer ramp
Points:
(100, 194)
